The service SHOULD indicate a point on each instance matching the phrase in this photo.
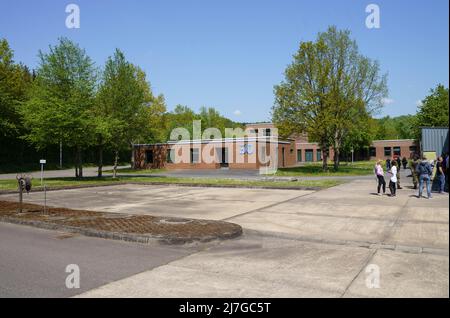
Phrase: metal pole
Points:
(42, 174)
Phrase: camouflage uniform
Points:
(413, 166)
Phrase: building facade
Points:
(388, 149)
(261, 148)
(434, 140)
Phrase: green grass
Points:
(136, 171)
(359, 168)
(70, 182)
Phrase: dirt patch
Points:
(140, 228)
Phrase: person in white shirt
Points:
(393, 180)
(380, 177)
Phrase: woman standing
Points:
(393, 181)
(380, 176)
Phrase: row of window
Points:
(194, 156)
(389, 151)
(266, 131)
(309, 155)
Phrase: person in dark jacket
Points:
(440, 174)
(413, 165)
(404, 162)
(388, 164)
(399, 163)
(424, 171)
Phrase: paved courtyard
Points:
(295, 243)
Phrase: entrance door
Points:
(223, 156)
(309, 155)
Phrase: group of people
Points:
(423, 172)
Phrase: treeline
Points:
(95, 114)
(333, 92)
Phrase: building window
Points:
(194, 155)
(149, 156)
(309, 155)
(413, 148)
(319, 154)
(267, 132)
(387, 151)
(299, 155)
(372, 152)
(397, 151)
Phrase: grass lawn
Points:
(136, 171)
(71, 182)
(359, 168)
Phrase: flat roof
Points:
(393, 140)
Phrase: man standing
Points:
(399, 163)
(424, 171)
(440, 174)
(404, 162)
(413, 166)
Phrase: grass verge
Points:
(52, 183)
(315, 169)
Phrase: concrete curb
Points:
(128, 237)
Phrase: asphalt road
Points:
(33, 261)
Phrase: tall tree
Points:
(60, 100)
(328, 91)
(125, 104)
(15, 80)
(434, 110)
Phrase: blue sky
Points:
(229, 53)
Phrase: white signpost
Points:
(42, 162)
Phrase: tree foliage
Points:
(60, 99)
(329, 91)
(434, 110)
(15, 80)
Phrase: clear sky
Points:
(229, 53)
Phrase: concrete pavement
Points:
(295, 244)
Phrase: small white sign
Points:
(42, 161)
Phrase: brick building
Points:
(388, 149)
(259, 149)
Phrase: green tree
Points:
(434, 110)
(15, 80)
(181, 117)
(125, 104)
(328, 91)
(60, 100)
(401, 127)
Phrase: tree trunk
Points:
(116, 161)
(336, 158)
(79, 163)
(80, 168)
(76, 164)
(324, 159)
(100, 161)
